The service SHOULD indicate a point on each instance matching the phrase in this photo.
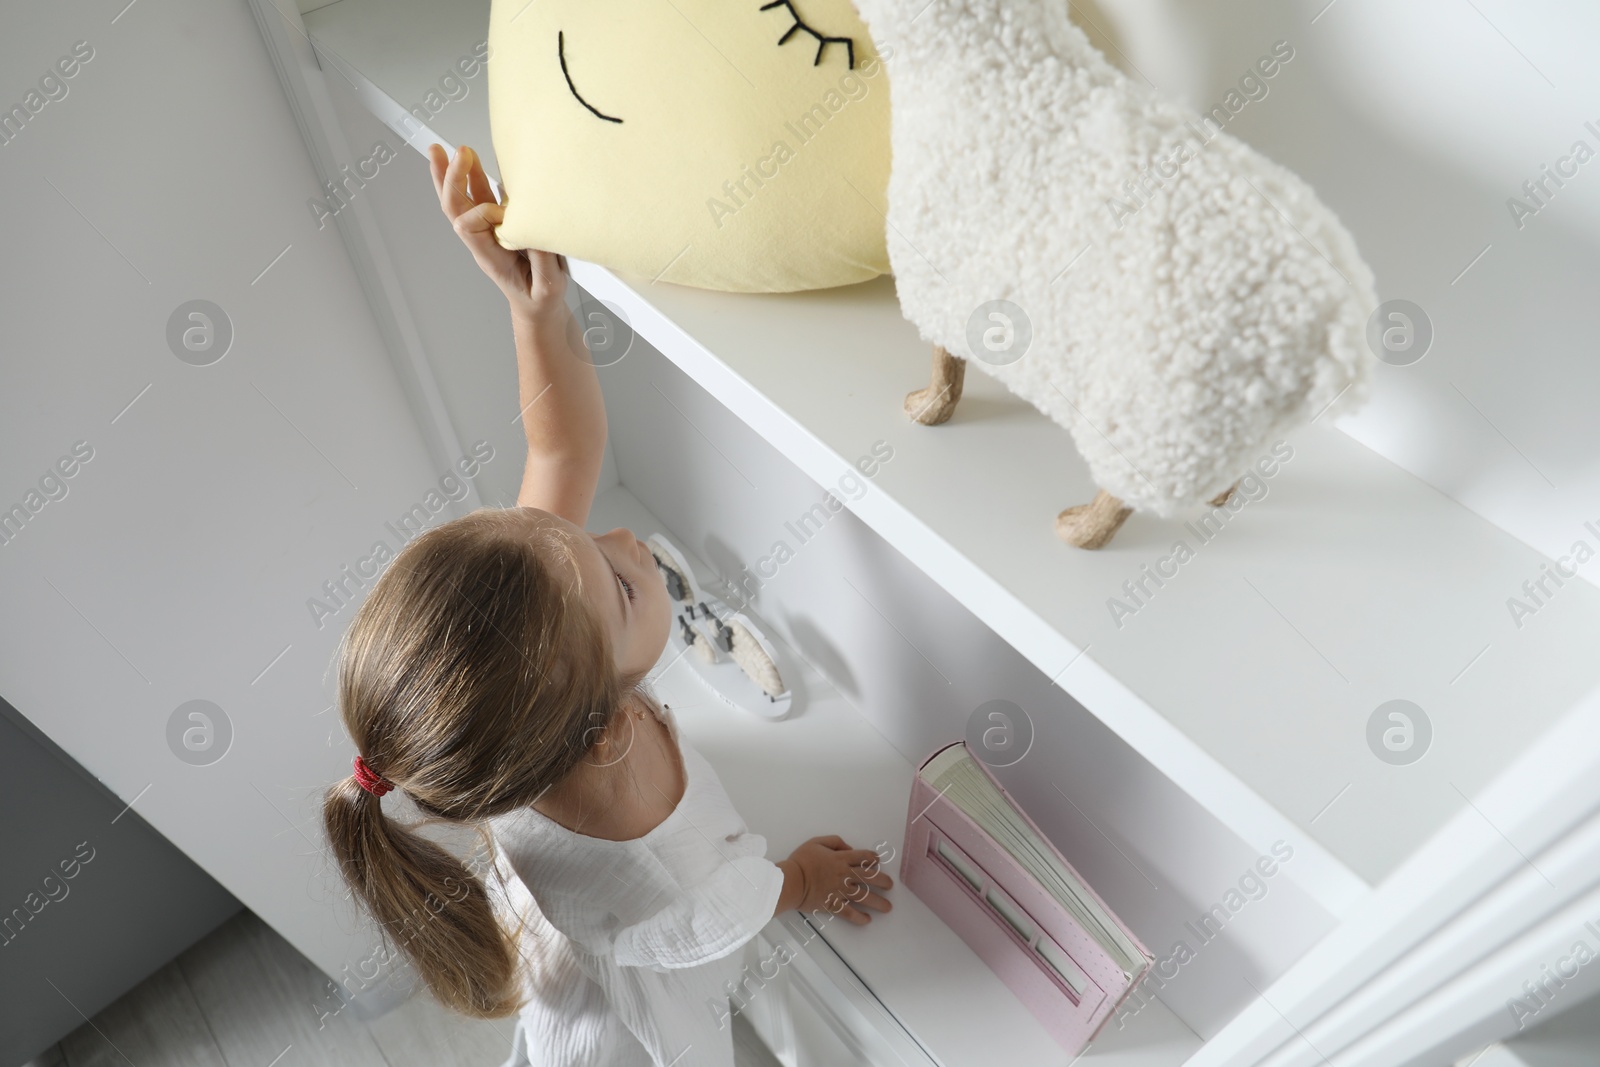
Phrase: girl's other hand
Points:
(534, 282)
(838, 877)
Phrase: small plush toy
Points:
(1168, 295)
(740, 145)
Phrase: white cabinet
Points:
(1229, 716)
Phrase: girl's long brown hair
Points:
(473, 678)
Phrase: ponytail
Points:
(472, 678)
(427, 901)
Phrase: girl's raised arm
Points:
(563, 414)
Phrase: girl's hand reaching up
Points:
(534, 282)
(836, 878)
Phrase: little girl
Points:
(495, 675)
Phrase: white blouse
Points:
(639, 938)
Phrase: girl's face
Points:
(618, 579)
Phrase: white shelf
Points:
(826, 770)
(1250, 676)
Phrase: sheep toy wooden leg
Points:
(1091, 525)
(937, 402)
(1086, 525)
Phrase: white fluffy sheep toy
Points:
(1188, 300)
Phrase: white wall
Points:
(218, 498)
(1417, 122)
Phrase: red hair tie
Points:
(371, 780)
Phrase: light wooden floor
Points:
(243, 997)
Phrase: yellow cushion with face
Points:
(739, 145)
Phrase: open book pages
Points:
(955, 773)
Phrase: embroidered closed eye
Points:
(823, 40)
(561, 54)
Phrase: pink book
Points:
(987, 870)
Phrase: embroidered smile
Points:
(561, 54)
